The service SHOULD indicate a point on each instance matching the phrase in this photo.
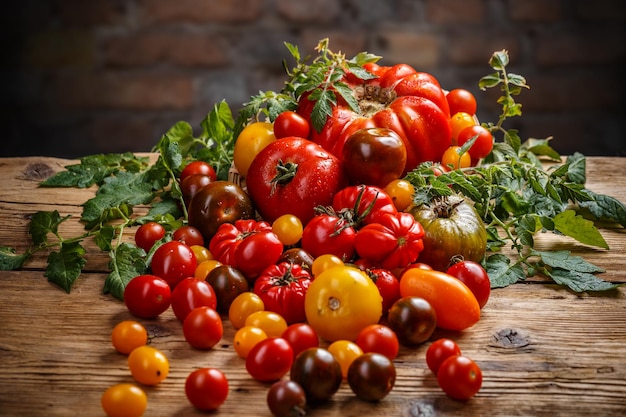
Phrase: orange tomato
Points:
(453, 301)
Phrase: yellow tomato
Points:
(401, 193)
(246, 338)
(324, 262)
(128, 335)
(452, 158)
(202, 254)
(273, 324)
(252, 139)
(204, 268)
(345, 352)
(458, 122)
(148, 365)
(124, 400)
(340, 302)
(242, 306)
(288, 228)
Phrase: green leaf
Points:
(127, 262)
(499, 60)
(42, 223)
(606, 207)
(65, 266)
(579, 228)
(501, 272)
(580, 281)
(322, 109)
(565, 260)
(489, 81)
(104, 237)
(576, 168)
(10, 260)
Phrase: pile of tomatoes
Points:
(320, 262)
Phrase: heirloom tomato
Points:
(452, 228)
(454, 303)
(282, 288)
(286, 398)
(228, 283)
(192, 184)
(298, 256)
(230, 235)
(340, 302)
(475, 277)
(363, 203)
(371, 376)
(290, 123)
(252, 139)
(399, 98)
(206, 388)
(173, 261)
(318, 373)
(293, 176)
(188, 235)
(413, 319)
(256, 252)
(460, 377)
(329, 233)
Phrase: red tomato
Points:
(270, 359)
(329, 234)
(173, 261)
(460, 377)
(188, 235)
(300, 336)
(364, 202)
(257, 252)
(380, 339)
(206, 388)
(203, 328)
(198, 167)
(282, 288)
(229, 235)
(475, 277)
(439, 351)
(191, 293)
(147, 296)
(293, 176)
(387, 284)
(190, 186)
(483, 143)
(148, 234)
(461, 100)
(289, 123)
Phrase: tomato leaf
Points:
(42, 223)
(10, 260)
(579, 228)
(65, 266)
(104, 237)
(606, 207)
(565, 260)
(127, 262)
(579, 281)
(501, 272)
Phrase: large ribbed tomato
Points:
(409, 102)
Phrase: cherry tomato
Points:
(401, 192)
(190, 186)
(413, 319)
(148, 365)
(228, 283)
(148, 234)
(460, 377)
(300, 336)
(252, 139)
(198, 167)
(242, 306)
(458, 122)
(371, 376)
(202, 254)
(191, 293)
(290, 123)
(206, 388)
(203, 328)
(288, 228)
(318, 373)
(329, 234)
(128, 335)
(147, 296)
(387, 284)
(286, 398)
(124, 400)
(298, 256)
(204, 268)
(439, 351)
(173, 261)
(380, 339)
(324, 262)
(454, 160)
(483, 144)
(188, 235)
(461, 100)
(272, 323)
(475, 277)
(345, 351)
(257, 252)
(246, 338)
(270, 359)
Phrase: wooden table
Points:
(544, 351)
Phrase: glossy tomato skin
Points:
(483, 143)
(148, 234)
(173, 261)
(413, 319)
(374, 156)
(286, 398)
(455, 305)
(371, 376)
(206, 388)
(198, 168)
(257, 252)
(192, 184)
(230, 235)
(147, 296)
(440, 350)
(270, 359)
(366, 203)
(318, 372)
(388, 285)
(317, 176)
(217, 203)
(188, 235)
(461, 100)
(191, 293)
(252, 139)
(228, 283)
(203, 327)
(290, 123)
(475, 277)
(300, 336)
(379, 338)
(298, 256)
(329, 234)
(124, 400)
(459, 377)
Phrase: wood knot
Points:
(37, 171)
(510, 339)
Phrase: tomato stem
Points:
(285, 172)
(334, 303)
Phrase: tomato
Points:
(229, 236)
(324, 262)
(206, 388)
(228, 283)
(363, 203)
(290, 123)
(394, 242)
(318, 373)
(372, 376)
(148, 365)
(191, 293)
(147, 296)
(452, 228)
(413, 319)
(282, 288)
(401, 192)
(475, 277)
(202, 254)
(203, 328)
(458, 122)
(286, 178)
(454, 303)
(242, 306)
(380, 339)
(188, 235)
(190, 186)
(203, 269)
(345, 351)
(252, 139)
(288, 228)
(387, 284)
(329, 234)
(173, 261)
(124, 400)
(198, 168)
(148, 234)
(460, 377)
(408, 102)
(273, 324)
(340, 302)
(483, 143)
(217, 203)
(128, 335)
(461, 100)
(453, 158)
(374, 156)
(246, 338)
(286, 398)
(257, 252)
(439, 351)
(298, 256)
(300, 336)
(270, 359)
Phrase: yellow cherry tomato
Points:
(458, 122)
(324, 262)
(204, 268)
(452, 158)
(401, 193)
(202, 254)
(273, 324)
(252, 139)
(288, 228)
(345, 351)
(128, 335)
(124, 400)
(242, 306)
(246, 338)
(340, 302)
(148, 365)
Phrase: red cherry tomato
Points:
(461, 100)
(191, 293)
(206, 388)
(188, 235)
(475, 277)
(483, 144)
(270, 359)
(379, 338)
(203, 328)
(388, 285)
(300, 336)
(148, 234)
(147, 296)
(198, 167)
(460, 377)
(290, 123)
(439, 351)
(173, 261)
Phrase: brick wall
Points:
(82, 77)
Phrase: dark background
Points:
(89, 76)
